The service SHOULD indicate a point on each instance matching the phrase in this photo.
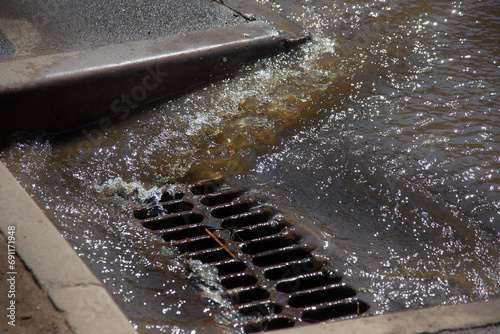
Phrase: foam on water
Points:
(134, 190)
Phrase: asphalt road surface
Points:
(67, 25)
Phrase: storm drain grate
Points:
(272, 278)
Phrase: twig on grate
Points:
(220, 243)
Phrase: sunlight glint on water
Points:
(380, 138)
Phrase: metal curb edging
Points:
(58, 270)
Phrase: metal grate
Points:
(272, 278)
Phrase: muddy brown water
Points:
(380, 139)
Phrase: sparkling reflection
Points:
(380, 139)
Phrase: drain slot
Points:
(246, 219)
(230, 209)
(257, 231)
(305, 283)
(267, 244)
(213, 255)
(284, 255)
(251, 295)
(261, 309)
(237, 281)
(320, 296)
(220, 198)
(230, 267)
(184, 233)
(349, 309)
(178, 206)
(147, 213)
(293, 269)
(272, 278)
(207, 187)
(200, 243)
(166, 222)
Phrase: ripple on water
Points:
(380, 138)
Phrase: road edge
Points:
(70, 285)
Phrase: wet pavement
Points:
(46, 27)
(401, 180)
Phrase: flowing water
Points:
(380, 138)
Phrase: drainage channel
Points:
(272, 278)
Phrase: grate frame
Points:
(269, 273)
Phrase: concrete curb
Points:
(58, 270)
(429, 320)
(293, 33)
(77, 88)
(61, 92)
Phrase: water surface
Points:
(380, 139)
